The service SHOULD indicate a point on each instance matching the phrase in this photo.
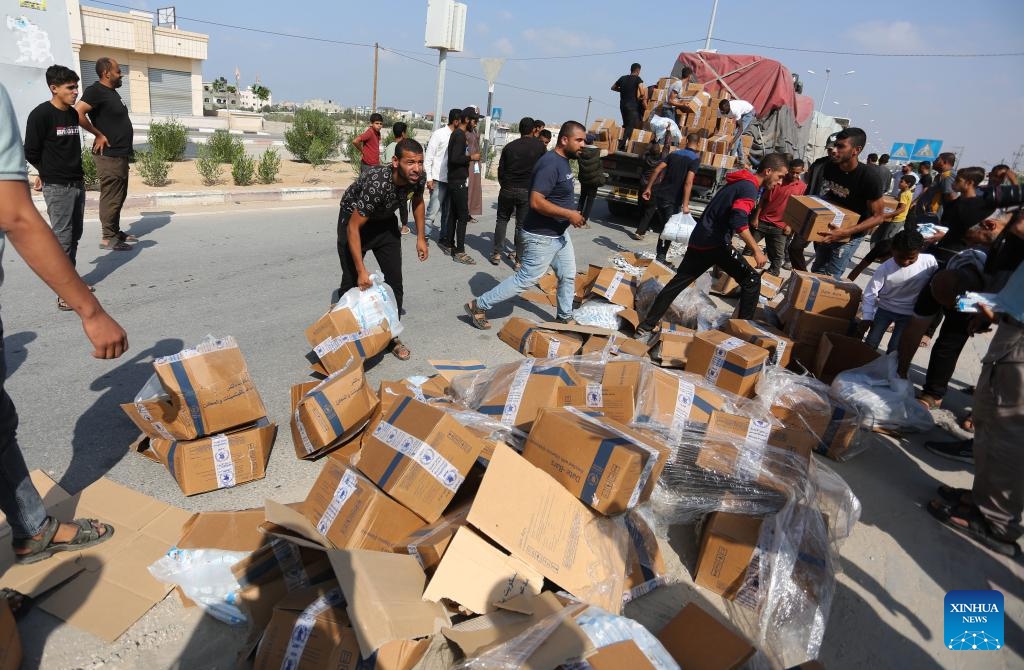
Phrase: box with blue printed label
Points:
(726, 361)
(329, 413)
(812, 217)
(420, 455)
(821, 294)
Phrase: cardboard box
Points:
(695, 102)
(676, 401)
(821, 294)
(889, 204)
(615, 286)
(104, 589)
(625, 654)
(719, 144)
(646, 568)
(607, 134)
(309, 629)
(532, 386)
(638, 148)
(699, 641)
(10, 642)
(419, 455)
(615, 344)
(200, 391)
(779, 347)
(737, 446)
(840, 435)
(837, 353)
(673, 344)
(384, 596)
(614, 402)
(428, 544)
(725, 285)
(812, 217)
(605, 464)
(534, 518)
(806, 329)
(530, 339)
(327, 414)
(715, 160)
(346, 511)
(477, 575)
(339, 335)
(726, 548)
(641, 136)
(216, 462)
(726, 361)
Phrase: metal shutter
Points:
(170, 92)
(89, 78)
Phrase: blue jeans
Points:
(741, 127)
(539, 253)
(832, 259)
(438, 201)
(19, 500)
(883, 318)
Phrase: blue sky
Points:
(975, 103)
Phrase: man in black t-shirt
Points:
(854, 186)
(515, 166)
(546, 242)
(102, 112)
(367, 221)
(53, 145)
(672, 193)
(632, 100)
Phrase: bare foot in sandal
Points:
(399, 350)
(477, 316)
(56, 537)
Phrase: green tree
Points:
(261, 92)
(313, 137)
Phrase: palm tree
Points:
(261, 92)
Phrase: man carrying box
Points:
(711, 242)
(854, 186)
(768, 224)
(743, 113)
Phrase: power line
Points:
(600, 53)
(869, 53)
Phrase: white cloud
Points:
(504, 46)
(559, 41)
(505, 15)
(889, 36)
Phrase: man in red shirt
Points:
(369, 142)
(767, 223)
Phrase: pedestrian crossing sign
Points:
(901, 151)
(926, 150)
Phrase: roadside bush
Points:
(92, 178)
(243, 169)
(355, 156)
(207, 165)
(168, 139)
(270, 163)
(224, 147)
(152, 168)
(313, 135)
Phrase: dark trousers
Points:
(458, 216)
(695, 263)
(654, 213)
(587, 196)
(511, 200)
(797, 256)
(383, 238)
(774, 243)
(946, 350)
(403, 213)
(631, 119)
(113, 175)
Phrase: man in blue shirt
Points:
(671, 194)
(546, 239)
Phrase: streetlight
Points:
(824, 95)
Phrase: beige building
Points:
(162, 66)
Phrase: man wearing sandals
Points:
(367, 222)
(545, 236)
(36, 535)
(103, 113)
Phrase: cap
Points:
(470, 113)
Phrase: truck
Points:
(782, 124)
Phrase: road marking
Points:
(238, 210)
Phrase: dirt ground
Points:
(183, 176)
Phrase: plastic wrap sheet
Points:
(471, 389)
(598, 313)
(885, 401)
(373, 306)
(691, 308)
(605, 629)
(513, 654)
(205, 577)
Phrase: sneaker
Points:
(962, 451)
(787, 266)
(565, 321)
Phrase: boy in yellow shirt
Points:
(881, 239)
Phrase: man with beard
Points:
(367, 222)
(546, 240)
(102, 112)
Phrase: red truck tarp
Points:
(763, 82)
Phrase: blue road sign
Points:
(901, 151)
(926, 150)
(496, 113)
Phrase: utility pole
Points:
(446, 31)
(586, 117)
(376, 54)
(711, 26)
(1017, 158)
(442, 68)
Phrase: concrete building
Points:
(248, 100)
(219, 99)
(325, 106)
(162, 65)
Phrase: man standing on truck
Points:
(632, 101)
(711, 242)
(743, 113)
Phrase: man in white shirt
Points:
(435, 166)
(743, 112)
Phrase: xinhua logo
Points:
(974, 620)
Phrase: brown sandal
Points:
(477, 317)
(63, 306)
(44, 547)
(399, 350)
(116, 246)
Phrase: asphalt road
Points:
(263, 275)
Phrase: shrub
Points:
(92, 178)
(224, 147)
(152, 167)
(270, 163)
(355, 156)
(243, 169)
(207, 165)
(313, 135)
(168, 139)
